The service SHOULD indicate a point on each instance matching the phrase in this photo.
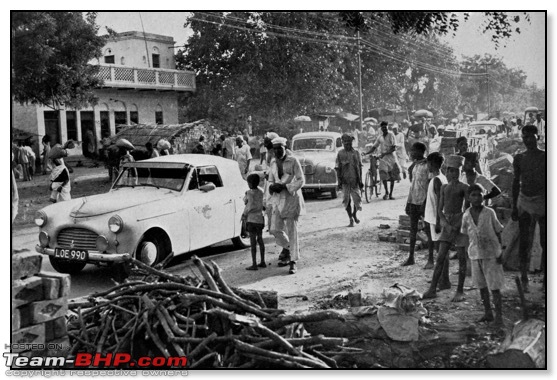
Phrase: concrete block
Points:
(28, 336)
(55, 329)
(392, 239)
(51, 288)
(27, 290)
(26, 264)
(64, 281)
(43, 311)
(403, 233)
(16, 317)
(383, 237)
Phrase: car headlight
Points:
(115, 224)
(40, 218)
(101, 243)
(44, 239)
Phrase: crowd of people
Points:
(449, 193)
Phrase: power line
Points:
(377, 49)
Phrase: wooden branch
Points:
(248, 348)
(304, 317)
(205, 273)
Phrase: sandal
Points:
(391, 197)
(385, 197)
(262, 265)
(253, 267)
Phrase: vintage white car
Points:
(175, 203)
(317, 152)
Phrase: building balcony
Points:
(133, 78)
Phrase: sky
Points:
(524, 51)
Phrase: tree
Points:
(507, 86)
(499, 24)
(50, 55)
(283, 64)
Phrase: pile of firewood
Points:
(201, 318)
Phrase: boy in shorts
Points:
(450, 211)
(253, 215)
(484, 232)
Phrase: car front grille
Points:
(308, 169)
(78, 238)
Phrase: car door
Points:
(211, 212)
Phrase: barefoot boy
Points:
(434, 163)
(415, 205)
(484, 232)
(450, 211)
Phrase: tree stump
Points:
(523, 348)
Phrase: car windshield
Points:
(162, 178)
(313, 143)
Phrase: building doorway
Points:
(52, 126)
(88, 135)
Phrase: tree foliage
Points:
(50, 55)
(506, 87)
(277, 65)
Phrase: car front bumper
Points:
(319, 187)
(94, 256)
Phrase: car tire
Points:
(66, 266)
(152, 249)
(334, 194)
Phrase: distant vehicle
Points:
(482, 127)
(317, 152)
(175, 203)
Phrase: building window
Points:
(156, 60)
(105, 124)
(71, 124)
(109, 59)
(158, 117)
(134, 117)
(120, 117)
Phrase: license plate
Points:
(308, 190)
(71, 254)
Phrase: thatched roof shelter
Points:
(181, 136)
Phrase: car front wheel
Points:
(66, 266)
(151, 250)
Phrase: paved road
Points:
(324, 218)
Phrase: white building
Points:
(141, 85)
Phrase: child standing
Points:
(484, 232)
(450, 211)
(434, 163)
(255, 222)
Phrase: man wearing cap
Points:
(388, 165)
(349, 173)
(125, 147)
(243, 156)
(450, 210)
(285, 183)
(529, 199)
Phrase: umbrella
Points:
(423, 113)
(371, 119)
(302, 118)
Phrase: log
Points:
(365, 332)
(523, 348)
(269, 297)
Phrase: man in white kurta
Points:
(286, 179)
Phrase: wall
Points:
(25, 118)
(131, 46)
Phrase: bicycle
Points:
(372, 183)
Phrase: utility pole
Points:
(360, 84)
(487, 77)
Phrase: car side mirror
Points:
(207, 186)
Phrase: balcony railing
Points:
(147, 78)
